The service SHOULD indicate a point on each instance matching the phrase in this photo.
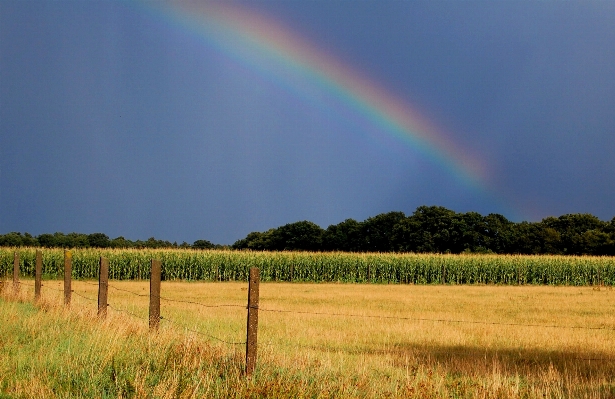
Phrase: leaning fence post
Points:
(154, 295)
(38, 272)
(16, 272)
(253, 286)
(103, 286)
(68, 266)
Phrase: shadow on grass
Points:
(471, 360)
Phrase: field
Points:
(332, 340)
(196, 265)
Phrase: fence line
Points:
(157, 296)
(51, 288)
(22, 283)
(177, 300)
(131, 292)
(202, 304)
(200, 332)
(161, 317)
(375, 316)
(126, 311)
(253, 308)
(346, 314)
(83, 296)
(434, 320)
(164, 318)
(337, 349)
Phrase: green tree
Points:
(257, 241)
(468, 233)
(378, 232)
(533, 238)
(99, 240)
(346, 236)
(12, 239)
(595, 242)
(29, 240)
(498, 233)
(203, 244)
(46, 240)
(571, 228)
(121, 242)
(298, 236)
(428, 229)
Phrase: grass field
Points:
(427, 341)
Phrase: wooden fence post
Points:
(154, 295)
(103, 286)
(251, 336)
(443, 273)
(16, 272)
(518, 275)
(68, 267)
(38, 272)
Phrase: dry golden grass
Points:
(453, 341)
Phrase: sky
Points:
(209, 120)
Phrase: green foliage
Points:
(299, 236)
(430, 229)
(435, 229)
(203, 244)
(346, 236)
(378, 232)
(15, 239)
(99, 240)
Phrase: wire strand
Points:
(433, 320)
(343, 314)
(85, 282)
(54, 289)
(200, 304)
(83, 296)
(200, 332)
(177, 300)
(126, 311)
(20, 283)
(130, 292)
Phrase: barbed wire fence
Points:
(252, 308)
(384, 317)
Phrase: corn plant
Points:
(382, 268)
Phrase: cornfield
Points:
(187, 264)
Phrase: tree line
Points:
(94, 240)
(439, 230)
(429, 229)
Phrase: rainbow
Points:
(250, 38)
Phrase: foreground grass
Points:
(49, 351)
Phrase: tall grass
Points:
(196, 265)
(50, 351)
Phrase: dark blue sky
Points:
(116, 117)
